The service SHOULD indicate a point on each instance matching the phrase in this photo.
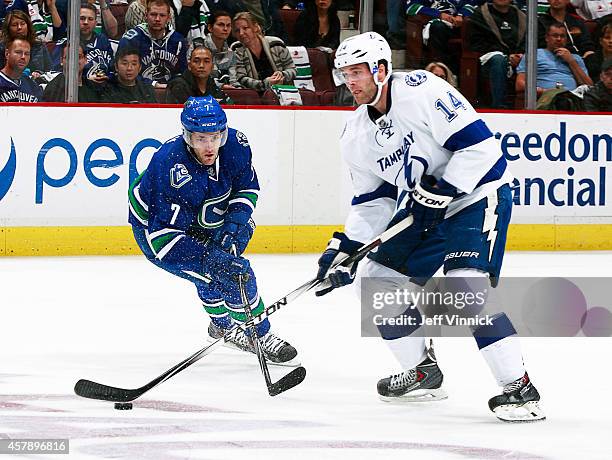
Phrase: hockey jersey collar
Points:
(144, 28)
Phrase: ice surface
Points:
(122, 321)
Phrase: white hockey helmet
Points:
(369, 48)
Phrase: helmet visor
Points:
(200, 141)
(350, 74)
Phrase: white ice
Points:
(122, 321)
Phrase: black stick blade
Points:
(93, 390)
(292, 379)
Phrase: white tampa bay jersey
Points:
(429, 129)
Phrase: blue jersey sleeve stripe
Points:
(386, 190)
(495, 173)
(471, 134)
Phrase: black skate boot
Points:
(421, 383)
(276, 350)
(519, 402)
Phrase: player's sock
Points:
(420, 383)
(519, 402)
(501, 349)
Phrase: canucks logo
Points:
(7, 174)
(242, 139)
(179, 175)
(415, 78)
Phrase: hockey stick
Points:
(93, 390)
(293, 378)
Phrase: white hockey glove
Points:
(338, 248)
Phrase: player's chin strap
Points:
(380, 85)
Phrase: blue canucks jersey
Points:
(181, 202)
(98, 51)
(162, 59)
(21, 90)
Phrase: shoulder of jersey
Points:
(236, 139)
(169, 152)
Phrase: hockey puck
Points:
(124, 406)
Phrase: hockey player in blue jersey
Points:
(416, 147)
(191, 210)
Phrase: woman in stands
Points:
(439, 69)
(261, 61)
(318, 25)
(17, 24)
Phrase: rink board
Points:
(63, 185)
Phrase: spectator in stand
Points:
(318, 25)
(51, 18)
(125, 85)
(604, 51)
(196, 80)
(556, 65)
(266, 13)
(89, 91)
(593, 9)
(261, 61)
(14, 85)
(17, 24)
(191, 18)
(579, 39)
(162, 51)
(41, 30)
(439, 69)
(599, 97)
(98, 50)
(447, 18)
(106, 23)
(220, 28)
(396, 19)
(498, 35)
(137, 14)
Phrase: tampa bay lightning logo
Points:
(179, 175)
(7, 174)
(415, 78)
(242, 139)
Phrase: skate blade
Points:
(424, 395)
(295, 362)
(528, 412)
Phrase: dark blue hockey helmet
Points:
(203, 115)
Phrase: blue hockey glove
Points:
(222, 267)
(339, 247)
(235, 234)
(428, 203)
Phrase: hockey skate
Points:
(519, 402)
(419, 384)
(277, 351)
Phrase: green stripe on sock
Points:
(215, 309)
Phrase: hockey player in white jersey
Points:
(415, 146)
